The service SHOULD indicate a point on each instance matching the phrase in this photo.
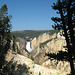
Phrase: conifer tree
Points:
(66, 22)
(5, 34)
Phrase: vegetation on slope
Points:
(44, 43)
(28, 34)
(5, 34)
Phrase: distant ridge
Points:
(28, 34)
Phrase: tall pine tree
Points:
(5, 34)
(66, 22)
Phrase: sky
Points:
(30, 14)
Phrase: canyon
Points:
(32, 58)
(25, 66)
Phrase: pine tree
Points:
(66, 22)
(5, 34)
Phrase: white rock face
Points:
(59, 35)
(55, 45)
(42, 38)
(62, 66)
(34, 68)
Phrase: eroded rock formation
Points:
(21, 65)
(45, 43)
(42, 38)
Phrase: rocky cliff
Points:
(36, 42)
(62, 66)
(54, 44)
(20, 45)
(42, 38)
(21, 65)
(48, 43)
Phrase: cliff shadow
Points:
(60, 56)
(14, 69)
(3, 51)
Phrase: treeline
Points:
(28, 34)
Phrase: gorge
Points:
(34, 61)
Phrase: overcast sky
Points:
(30, 14)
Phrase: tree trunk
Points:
(69, 15)
(67, 41)
(71, 62)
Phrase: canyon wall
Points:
(20, 46)
(42, 38)
(45, 43)
(48, 43)
(52, 45)
(21, 65)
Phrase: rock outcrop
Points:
(42, 38)
(21, 65)
(35, 43)
(62, 66)
(53, 44)
(20, 45)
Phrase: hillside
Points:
(30, 34)
(20, 65)
(37, 62)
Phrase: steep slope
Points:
(42, 38)
(21, 65)
(20, 45)
(52, 46)
(47, 44)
